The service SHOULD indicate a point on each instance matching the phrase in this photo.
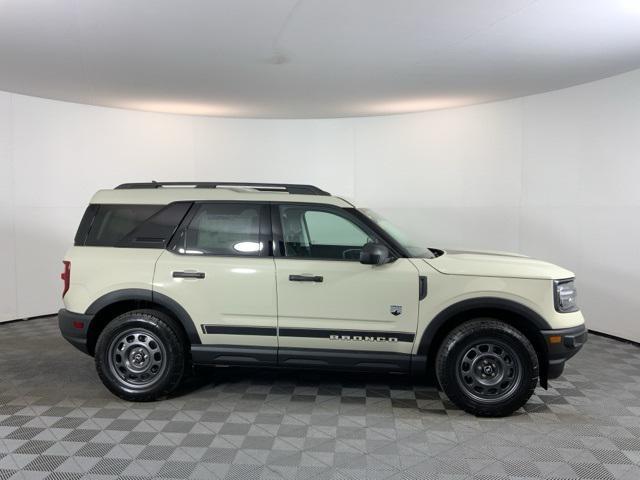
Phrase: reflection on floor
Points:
(57, 421)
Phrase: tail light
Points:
(66, 277)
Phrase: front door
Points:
(332, 310)
(219, 269)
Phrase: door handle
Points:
(306, 278)
(188, 274)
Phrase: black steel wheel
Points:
(140, 355)
(487, 367)
(137, 357)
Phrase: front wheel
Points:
(140, 356)
(487, 367)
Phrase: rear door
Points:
(219, 269)
(332, 310)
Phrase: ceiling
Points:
(309, 58)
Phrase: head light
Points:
(565, 294)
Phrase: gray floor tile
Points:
(57, 421)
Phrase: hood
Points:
(495, 264)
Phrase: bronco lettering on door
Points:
(360, 338)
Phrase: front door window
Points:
(310, 232)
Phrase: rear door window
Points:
(229, 229)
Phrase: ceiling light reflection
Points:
(183, 108)
(244, 271)
(417, 105)
(248, 247)
(190, 251)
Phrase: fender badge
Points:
(395, 310)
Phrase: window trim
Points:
(264, 234)
(347, 214)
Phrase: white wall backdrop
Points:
(556, 176)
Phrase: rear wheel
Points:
(140, 356)
(487, 367)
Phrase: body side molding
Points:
(234, 355)
(331, 334)
(239, 330)
(347, 335)
(304, 358)
(352, 360)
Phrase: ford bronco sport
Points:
(164, 276)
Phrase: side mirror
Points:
(374, 254)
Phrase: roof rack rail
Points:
(265, 187)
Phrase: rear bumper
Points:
(74, 328)
(562, 344)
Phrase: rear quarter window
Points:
(111, 223)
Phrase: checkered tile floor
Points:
(58, 422)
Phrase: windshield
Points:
(411, 246)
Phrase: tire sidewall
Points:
(174, 351)
(462, 338)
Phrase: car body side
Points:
(458, 286)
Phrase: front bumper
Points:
(562, 344)
(74, 328)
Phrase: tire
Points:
(141, 356)
(487, 368)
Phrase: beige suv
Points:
(164, 276)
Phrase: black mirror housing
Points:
(374, 254)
